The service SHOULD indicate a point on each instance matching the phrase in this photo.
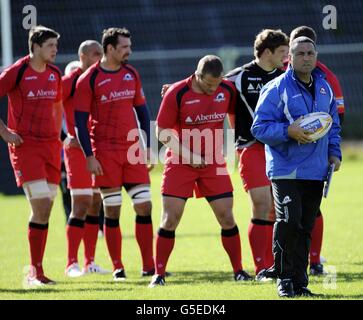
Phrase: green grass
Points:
(201, 267)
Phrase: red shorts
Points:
(252, 166)
(34, 160)
(181, 180)
(117, 170)
(78, 176)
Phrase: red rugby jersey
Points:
(335, 85)
(32, 97)
(69, 85)
(183, 110)
(109, 97)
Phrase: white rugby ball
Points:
(317, 124)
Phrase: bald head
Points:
(210, 64)
(87, 45)
(89, 52)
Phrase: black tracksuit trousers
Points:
(296, 204)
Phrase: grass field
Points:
(201, 267)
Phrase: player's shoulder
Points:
(250, 66)
(21, 63)
(231, 75)
(132, 69)
(178, 89)
(229, 85)
(71, 76)
(55, 69)
(181, 85)
(92, 71)
(241, 71)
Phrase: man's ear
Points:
(36, 47)
(289, 57)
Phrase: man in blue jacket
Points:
(296, 165)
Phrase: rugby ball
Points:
(316, 124)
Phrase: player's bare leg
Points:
(222, 209)
(40, 210)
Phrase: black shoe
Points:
(119, 275)
(157, 280)
(152, 272)
(266, 275)
(285, 288)
(317, 269)
(271, 273)
(304, 292)
(242, 276)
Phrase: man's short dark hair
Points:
(269, 39)
(303, 31)
(210, 64)
(40, 34)
(299, 40)
(110, 36)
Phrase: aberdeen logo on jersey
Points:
(202, 118)
(51, 77)
(220, 97)
(188, 120)
(118, 95)
(128, 77)
(44, 94)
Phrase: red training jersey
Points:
(69, 86)
(335, 85)
(32, 97)
(110, 98)
(190, 113)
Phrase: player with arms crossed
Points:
(34, 89)
(110, 92)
